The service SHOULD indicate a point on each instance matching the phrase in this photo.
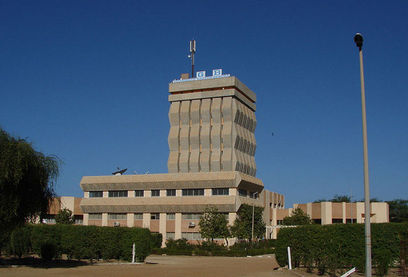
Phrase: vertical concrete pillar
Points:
(344, 213)
(163, 193)
(146, 220)
(232, 191)
(147, 193)
(86, 219)
(207, 192)
(86, 194)
(130, 219)
(177, 234)
(131, 193)
(105, 194)
(162, 228)
(309, 209)
(274, 217)
(360, 211)
(104, 219)
(326, 212)
(178, 192)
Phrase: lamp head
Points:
(358, 39)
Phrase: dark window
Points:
(155, 192)
(193, 192)
(155, 216)
(118, 193)
(93, 194)
(139, 193)
(220, 191)
(254, 195)
(317, 221)
(242, 192)
(337, 220)
(171, 192)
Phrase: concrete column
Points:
(162, 228)
(344, 213)
(207, 192)
(233, 191)
(326, 213)
(231, 218)
(309, 209)
(86, 194)
(104, 219)
(131, 193)
(163, 193)
(130, 219)
(178, 192)
(360, 211)
(86, 218)
(146, 220)
(177, 223)
(105, 194)
(147, 193)
(274, 217)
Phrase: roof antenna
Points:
(191, 56)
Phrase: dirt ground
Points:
(162, 266)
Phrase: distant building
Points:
(64, 202)
(333, 213)
(211, 163)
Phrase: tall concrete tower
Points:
(212, 125)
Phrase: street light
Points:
(358, 39)
(253, 213)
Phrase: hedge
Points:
(206, 248)
(339, 247)
(83, 242)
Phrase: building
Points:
(211, 163)
(64, 202)
(332, 212)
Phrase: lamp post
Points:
(253, 215)
(358, 39)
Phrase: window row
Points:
(156, 192)
(153, 216)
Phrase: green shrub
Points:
(334, 248)
(156, 240)
(20, 241)
(48, 250)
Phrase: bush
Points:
(334, 248)
(156, 240)
(91, 242)
(20, 241)
(48, 250)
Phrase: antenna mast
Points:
(192, 52)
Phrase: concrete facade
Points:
(212, 126)
(211, 164)
(325, 213)
(64, 202)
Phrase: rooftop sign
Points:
(200, 75)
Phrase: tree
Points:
(26, 182)
(242, 227)
(64, 216)
(341, 198)
(298, 217)
(398, 210)
(214, 225)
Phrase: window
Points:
(170, 235)
(191, 236)
(279, 222)
(117, 216)
(118, 193)
(171, 192)
(242, 192)
(93, 194)
(95, 216)
(139, 216)
(337, 220)
(171, 216)
(254, 195)
(193, 192)
(220, 191)
(155, 216)
(139, 193)
(192, 216)
(155, 192)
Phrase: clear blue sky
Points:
(88, 82)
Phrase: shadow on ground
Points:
(40, 263)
